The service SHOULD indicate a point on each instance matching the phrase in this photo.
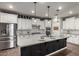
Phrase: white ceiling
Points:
(27, 7)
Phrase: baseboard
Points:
(56, 51)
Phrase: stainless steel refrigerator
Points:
(8, 36)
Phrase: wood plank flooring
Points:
(72, 50)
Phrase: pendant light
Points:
(35, 10)
(48, 10)
(56, 16)
(48, 7)
(35, 7)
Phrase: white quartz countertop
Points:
(27, 41)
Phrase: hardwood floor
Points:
(72, 50)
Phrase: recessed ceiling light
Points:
(10, 6)
(70, 12)
(46, 14)
(60, 7)
(33, 11)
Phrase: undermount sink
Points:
(41, 40)
(48, 38)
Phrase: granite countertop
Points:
(32, 41)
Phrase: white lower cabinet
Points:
(23, 40)
(73, 39)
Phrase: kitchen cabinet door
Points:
(69, 23)
(65, 25)
(43, 49)
(39, 50)
(23, 24)
(29, 23)
(26, 51)
(75, 40)
(34, 21)
(3, 18)
(72, 23)
(12, 18)
(61, 43)
(8, 18)
(70, 39)
(19, 23)
(26, 23)
(36, 50)
(42, 24)
(77, 23)
(51, 46)
(37, 21)
(47, 23)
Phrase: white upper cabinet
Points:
(19, 23)
(47, 23)
(8, 18)
(35, 21)
(42, 24)
(77, 23)
(38, 21)
(29, 24)
(64, 25)
(24, 24)
(69, 23)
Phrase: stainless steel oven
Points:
(8, 35)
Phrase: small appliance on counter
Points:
(8, 35)
(48, 31)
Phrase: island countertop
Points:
(27, 41)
